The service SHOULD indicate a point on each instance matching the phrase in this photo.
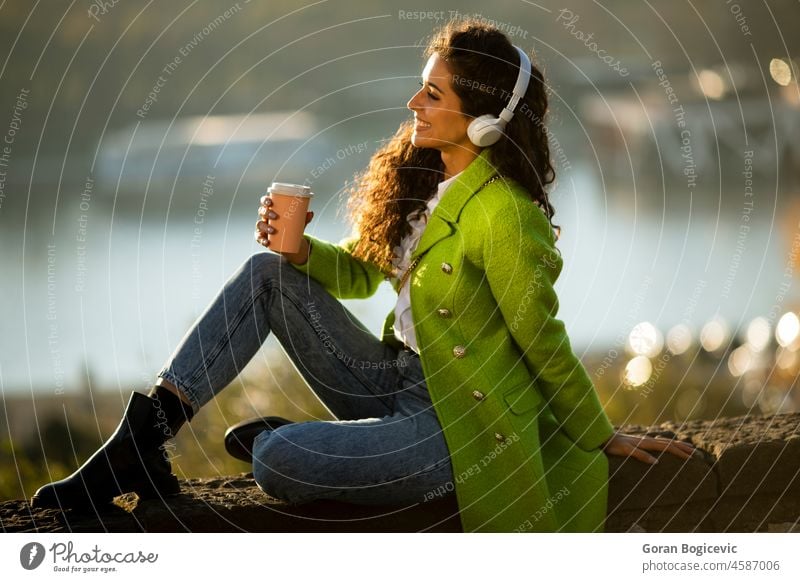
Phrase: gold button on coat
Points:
(447, 268)
(478, 395)
(459, 351)
(444, 313)
(499, 437)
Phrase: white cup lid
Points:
(290, 189)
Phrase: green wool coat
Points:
(520, 415)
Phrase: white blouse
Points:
(403, 322)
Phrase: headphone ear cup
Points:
(485, 130)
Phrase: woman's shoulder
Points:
(506, 204)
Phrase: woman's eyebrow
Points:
(434, 86)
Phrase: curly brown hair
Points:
(381, 196)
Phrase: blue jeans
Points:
(387, 445)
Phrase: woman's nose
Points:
(412, 105)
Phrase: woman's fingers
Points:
(309, 216)
(264, 212)
(638, 447)
(677, 448)
(627, 446)
(680, 448)
(261, 238)
(685, 447)
(263, 229)
(644, 456)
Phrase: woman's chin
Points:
(421, 141)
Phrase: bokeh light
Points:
(638, 371)
(758, 334)
(741, 360)
(780, 71)
(679, 339)
(645, 340)
(788, 328)
(711, 84)
(715, 334)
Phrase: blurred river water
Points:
(101, 280)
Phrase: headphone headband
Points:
(523, 78)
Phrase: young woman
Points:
(473, 388)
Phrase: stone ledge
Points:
(232, 504)
(745, 478)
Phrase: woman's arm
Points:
(337, 270)
(522, 265)
(332, 265)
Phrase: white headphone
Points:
(486, 130)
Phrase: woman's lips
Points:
(421, 125)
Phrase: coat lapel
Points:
(436, 229)
(445, 215)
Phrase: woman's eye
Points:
(431, 95)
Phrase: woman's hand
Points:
(264, 228)
(626, 445)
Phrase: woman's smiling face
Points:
(437, 110)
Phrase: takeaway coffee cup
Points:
(290, 203)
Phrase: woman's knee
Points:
(273, 458)
(261, 264)
(265, 266)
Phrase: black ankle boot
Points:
(239, 438)
(131, 460)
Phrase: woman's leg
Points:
(399, 458)
(347, 366)
(353, 372)
(386, 447)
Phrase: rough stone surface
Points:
(745, 477)
(232, 504)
